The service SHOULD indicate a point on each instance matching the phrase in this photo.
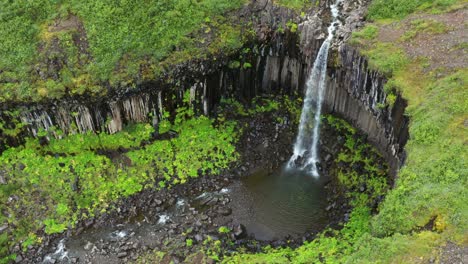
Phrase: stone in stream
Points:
(239, 231)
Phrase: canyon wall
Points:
(276, 65)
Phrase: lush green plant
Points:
(224, 230)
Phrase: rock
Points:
(2, 180)
(18, 259)
(3, 228)
(89, 223)
(136, 245)
(224, 211)
(239, 231)
(206, 199)
(158, 202)
(88, 246)
(122, 254)
(198, 238)
(213, 201)
(74, 260)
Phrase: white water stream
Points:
(306, 154)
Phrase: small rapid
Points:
(305, 155)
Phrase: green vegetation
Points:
(224, 230)
(386, 57)
(369, 32)
(424, 26)
(397, 9)
(296, 4)
(53, 48)
(71, 179)
(363, 189)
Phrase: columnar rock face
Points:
(356, 93)
(279, 64)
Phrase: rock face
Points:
(356, 93)
(278, 64)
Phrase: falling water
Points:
(305, 154)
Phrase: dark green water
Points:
(281, 203)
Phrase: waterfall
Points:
(306, 154)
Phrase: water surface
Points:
(281, 203)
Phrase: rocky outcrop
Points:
(278, 63)
(356, 93)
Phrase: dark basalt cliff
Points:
(279, 63)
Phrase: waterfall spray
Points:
(306, 154)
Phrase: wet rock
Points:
(212, 201)
(74, 260)
(224, 211)
(239, 231)
(206, 199)
(329, 207)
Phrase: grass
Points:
(398, 9)
(297, 4)
(428, 26)
(55, 48)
